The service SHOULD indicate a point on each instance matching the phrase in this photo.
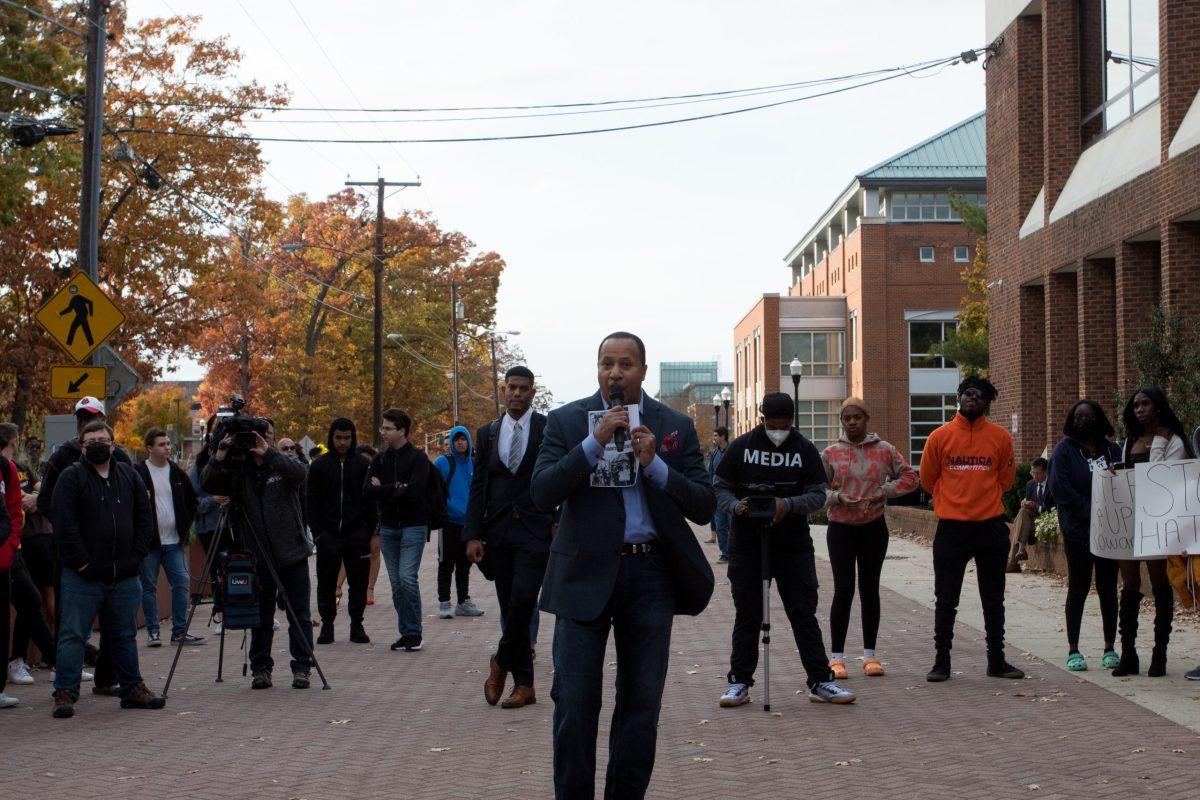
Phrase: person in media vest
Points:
(504, 527)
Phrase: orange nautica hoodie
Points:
(967, 466)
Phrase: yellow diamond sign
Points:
(80, 316)
(74, 383)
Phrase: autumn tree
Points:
(162, 406)
(967, 346)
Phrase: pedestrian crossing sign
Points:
(80, 317)
(75, 383)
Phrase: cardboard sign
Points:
(1113, 501)
(1167, 509)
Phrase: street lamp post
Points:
(726, 396)
(796, 368)
(716, 412)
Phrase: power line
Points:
(550, 134)
(43, 18)
(30, 87)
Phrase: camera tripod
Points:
(766, 615)
(225, 527)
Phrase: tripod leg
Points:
(208, 562)
(766, 616)
(221, 654)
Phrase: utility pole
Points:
(380, 186)
(93, 127)
(454, 342)
(495, 374)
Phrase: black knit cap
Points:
(777, 405)
(982, 384)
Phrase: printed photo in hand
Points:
(615, 470)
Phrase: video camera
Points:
(231, 422)
(760, 498)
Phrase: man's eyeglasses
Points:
(288, 449)
(973, 393)
(105, 442)
(387, 429)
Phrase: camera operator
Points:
(264, 485)
(774, 453)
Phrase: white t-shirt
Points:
(164, 503)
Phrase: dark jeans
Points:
(640, 614)
(794, 568)
(452, 561)
(31, 623)
(1080, 563)
(518, 564)
(79, 602)
(333, 552)
(294, 578)
(954, 545)
(105, 672)
(863, 546)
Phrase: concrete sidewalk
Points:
(1035, 625)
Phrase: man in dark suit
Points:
(503, 524)
(1037, 502)
(624, 558)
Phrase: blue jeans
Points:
(640, 614)
(173, 559)
(401, 549)
(79, 602)
(720, 525)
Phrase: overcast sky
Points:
(669, 232)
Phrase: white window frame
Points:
(932, 254)
(942, 361)
(853, 336)
(966, 253)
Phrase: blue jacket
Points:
(460, 482)
(1070, 483)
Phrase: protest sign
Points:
(1167, 509)
(1113, 513)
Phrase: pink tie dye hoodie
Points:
(856, 470)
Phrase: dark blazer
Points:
(1031, 495)
(482, 512)
(183, 497)
(586, 553)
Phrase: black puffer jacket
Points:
(336, 503)
(269, 494)
(103, 523)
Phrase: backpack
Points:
(437, 491)
(239, 587)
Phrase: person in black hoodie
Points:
(103, 529)
(87, 410)
(405, 484)
(342, 522)
(1084, 448)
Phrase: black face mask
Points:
(96, 453)
(1084, 427)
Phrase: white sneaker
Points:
(18, 672)
(445, 610)
(274, 624)
(220, 626)
(84, 675)
(738, 694)
(8, 701)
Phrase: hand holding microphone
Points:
(618, 400)
(614, 424)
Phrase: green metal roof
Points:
(959, 152)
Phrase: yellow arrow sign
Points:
(80, 317)
(73, 383)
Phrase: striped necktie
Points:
(514, 449)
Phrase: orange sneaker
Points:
(873, 668)
(839, 670)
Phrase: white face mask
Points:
(777, 437)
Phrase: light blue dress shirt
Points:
(639, 527)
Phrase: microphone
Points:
(617, 398)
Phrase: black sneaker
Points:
(262, 679)
(186, 638)
(91, 655)
(408, 643)
(940, 671)
(64, 705)
(358, 634)
(300, 679)
(153, 639)
(141, 697)
(326, 636)
(1003, 669)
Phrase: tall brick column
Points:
(1027, 394)
(1097, 308)
(1062, 350)
(1061, 93)
(1181, 267)
(1137, 290)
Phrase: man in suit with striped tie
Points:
(503, 524)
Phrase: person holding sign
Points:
(1084, 448)
(1154, 434)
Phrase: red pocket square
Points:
(670, 443)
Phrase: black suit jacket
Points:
(586, 553)
(481, 515)
(1031, 495)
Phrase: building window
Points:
(1130, 54)
(821, 352)
(923, 338)
(962, 253)
(928, 206)
(927, 254)
(925, 414)
(818, 421)
(853, 336)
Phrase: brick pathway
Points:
(415, 725)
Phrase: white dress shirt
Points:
(506, 433)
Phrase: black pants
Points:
(864, 547)
(5, 594)
(794, 569)
(294, 578)
(354, 552)
(30, 623)
(452, 561)
(954, 545)
(518, 559)
(38, 553)
(209, 580)
(1080, 563)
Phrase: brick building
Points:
(1093, 213)
(876, 282)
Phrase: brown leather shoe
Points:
(520, 696)
(493, 687)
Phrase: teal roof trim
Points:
(959, 152)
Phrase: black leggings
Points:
(1080, 563)
(866, 546)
